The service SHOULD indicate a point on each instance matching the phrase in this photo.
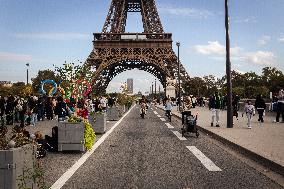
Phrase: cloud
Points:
(245, 20)
(7, 56)
(217, 51)
(239, 71)
(213, 47)
(264, 40)
(52, 36)
(183, 11)
(281, 39)
(261, 58)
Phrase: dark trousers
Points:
(22, 118)
(9, 117)
(260, 114)
(40, 114)
(49, 114)
(280, 110)
(2, 120)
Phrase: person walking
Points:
(280, 106)
(34, 110)
(260, 106)
(61, 109)
(2, 110)
(214, 106)
(49, 108)
(103, 103)
(10, 110)
(41, 107)
(169, 107)
(235, 104)
(249, 111)
(194, 101)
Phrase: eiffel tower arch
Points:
(115, 51)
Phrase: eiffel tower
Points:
(116, 51)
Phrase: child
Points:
(250, 111)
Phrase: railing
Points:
(132, 36)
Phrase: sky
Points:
(48, 32)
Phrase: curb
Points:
(252, 155)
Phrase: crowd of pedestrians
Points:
(217, 103)
(31, 109)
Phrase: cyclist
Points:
(143, 104)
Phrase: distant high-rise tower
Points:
(130, 86)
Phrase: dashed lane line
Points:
(169, 126)
(159, 115)
(155, 112)
(163, 119)
(203, 159)
(68, 174)
(179, 135)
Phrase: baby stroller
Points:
(189, 123)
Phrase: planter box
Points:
(113, 114)
(13, 163)
(71, 136)
(99, 125)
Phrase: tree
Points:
(272, 78)
(41, 76)
(4, 91)
(18, 88)
(195, 86)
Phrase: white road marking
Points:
(159, 115)
(68, 174)
(169, 126)
(204, 160)
(179, 135)
(163, 119)
(155, 112)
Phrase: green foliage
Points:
(35, 174)
(74, 119)
(69, 73)
(246, 85)
(5, 91)
(41, 76)
(89, 135)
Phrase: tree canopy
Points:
(246, 85)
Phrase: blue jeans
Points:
(33, 118)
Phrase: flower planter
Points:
(13, 164)
(122, 110)
(99, 125)
(71, 136)
(113, 114)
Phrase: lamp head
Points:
(178, 43)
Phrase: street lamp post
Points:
(228, 69)
(155, 89)
(159, 91)
(179, 96)
(152, 90)
(27, 64)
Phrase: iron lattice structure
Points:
(116, 51)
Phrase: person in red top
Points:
(83, 112)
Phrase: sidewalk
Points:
(264, 142)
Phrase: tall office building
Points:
(130, 86)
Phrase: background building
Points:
(130, 86)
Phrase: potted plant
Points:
(74, 134)
(17, 155)
(98, 121)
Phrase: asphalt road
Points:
(145, 153)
